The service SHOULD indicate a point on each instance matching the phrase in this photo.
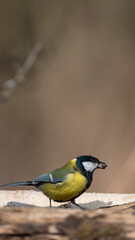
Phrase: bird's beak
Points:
(102, 165)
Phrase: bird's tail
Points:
(28, 183)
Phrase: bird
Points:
(66, 183)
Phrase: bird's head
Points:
(88, 163)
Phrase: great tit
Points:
(68, 182)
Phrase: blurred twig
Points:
(8, 87)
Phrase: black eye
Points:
(93, 161)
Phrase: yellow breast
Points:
(70, 188)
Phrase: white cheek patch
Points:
(89, 166)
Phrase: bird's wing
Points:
(47, 178)
(56, 176)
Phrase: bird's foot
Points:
(73, 202)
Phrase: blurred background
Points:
(79, 96)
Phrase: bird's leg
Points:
(50, 202)
(73, 202)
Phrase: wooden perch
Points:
(86, 200)
(36, 221)
(63, 224)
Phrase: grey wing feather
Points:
(43, 178)
(46, 178)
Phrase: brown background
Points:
(79, 97)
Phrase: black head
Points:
(88, 163)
